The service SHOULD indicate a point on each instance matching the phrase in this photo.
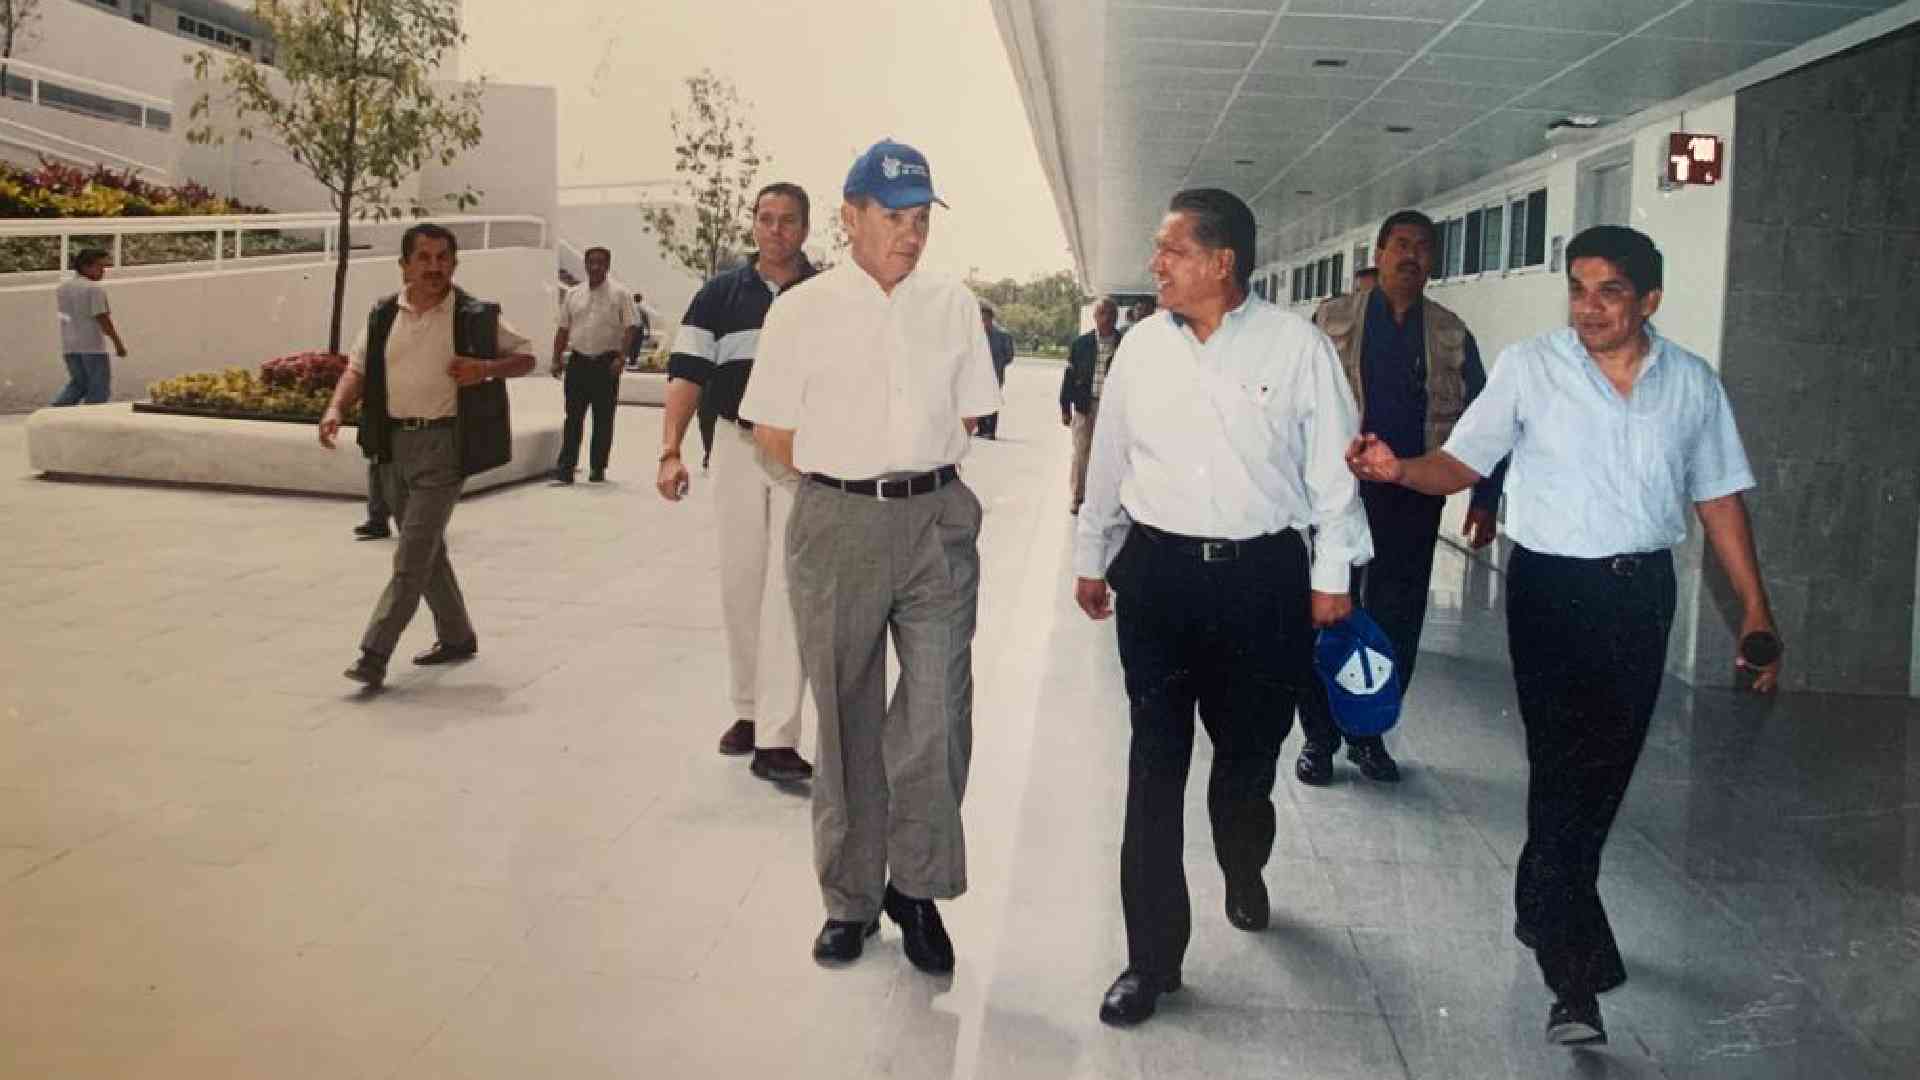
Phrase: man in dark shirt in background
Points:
(1414, 367)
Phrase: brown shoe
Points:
(738, 739)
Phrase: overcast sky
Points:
(826, 78)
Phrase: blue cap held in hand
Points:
(1355, 662)
(894, 174)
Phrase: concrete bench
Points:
(112, 442)
(643, 388)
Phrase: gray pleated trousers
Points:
(886, 799)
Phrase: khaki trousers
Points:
(752, 499)
(886, 799)
(1082, 450)
(422, 485)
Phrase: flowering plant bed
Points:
(293, 389)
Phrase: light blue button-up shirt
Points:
(1595, 474)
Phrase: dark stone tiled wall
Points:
(1821, 357)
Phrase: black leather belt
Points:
(892, 489)
(421, 423)
(1205, 549)
(1621, 566)
(608, 355)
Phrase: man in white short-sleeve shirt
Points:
(86, 322)
(595, 331)
(869, 380)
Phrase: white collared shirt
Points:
(1233, 438)
(1595, 474)
(872, 383)
(596, 320)
(419, 352)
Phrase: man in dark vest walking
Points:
(1413, 367)
(426, 369)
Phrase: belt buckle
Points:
(1624, 565)
(880, 490)
(1216, 550)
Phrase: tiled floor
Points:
(216, 860)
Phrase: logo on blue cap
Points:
(894, 174)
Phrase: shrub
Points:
(300, 385)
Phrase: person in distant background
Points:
(85, 325)
(1001, 344)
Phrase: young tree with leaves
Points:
(717, 160)
(352, 101)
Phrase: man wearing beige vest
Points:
(1413, 367)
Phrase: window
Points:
(1320, 278)
(1470, 260)
(205, 31)
(223, 37)
(184, 24)
(1339, 273)
(1527, 230)
(1456, 246)
(1490, 247)
(1360, 254)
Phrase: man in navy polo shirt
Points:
(753, 494)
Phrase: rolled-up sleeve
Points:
(1487, 431)
(1340, 537)
(512, 342)
(357, 356)
(1718, 465)
(976, 387)
(1103, 523)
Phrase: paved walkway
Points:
(216, 860)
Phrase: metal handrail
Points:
(79, 151)
(220, 225)
(81, 82)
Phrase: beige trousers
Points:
(1082, 449)
(753, 498)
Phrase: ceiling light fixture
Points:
(1243, 161)
(1329, 62)
(1398, 129)
(1302, 191)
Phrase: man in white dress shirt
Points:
(596, 330)
(1614, 430)
(869, 380)
(1218, 452)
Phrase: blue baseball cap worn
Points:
(894, 174)
(1355, 662)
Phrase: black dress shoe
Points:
(737, 739)
(597, 476)
(1247, 907)
(1374, 762)
(922, 934)
(780, 766)
(1315, 765)
(840, 942)
(369, 669)
(372, 530)
(1576, 1022)
(1132, 997)
(563, 476)
(443, 653)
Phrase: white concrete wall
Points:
(516, 166)
(111, 48)
(207, 321)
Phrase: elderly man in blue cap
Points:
(869, 380)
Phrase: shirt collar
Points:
(1245, 304)
(407, 304)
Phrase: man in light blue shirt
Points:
(1613, 431)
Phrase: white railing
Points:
(55, 145)
(237, 226)
(148, 108)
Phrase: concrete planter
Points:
(643, 388)
(112, 442)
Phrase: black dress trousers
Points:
(591, 383)
(1392, 588)
(1232, 637)
(1588, 639)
